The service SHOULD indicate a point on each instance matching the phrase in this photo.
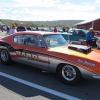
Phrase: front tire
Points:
(5, 57)
(69, 74)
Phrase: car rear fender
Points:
(84, 73)
(3, 47)
(7, 46)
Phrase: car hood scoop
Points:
(80, 48)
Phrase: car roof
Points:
(35, 32)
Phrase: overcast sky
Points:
(47, 10)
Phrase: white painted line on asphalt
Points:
(56, 93)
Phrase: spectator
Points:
(64, 30)
(2, 28)
(7, 30)
(37, 29)
(67, 29)
(21, 27)
(13, 30)
(28, 27)
(90, 37)
(55, 29)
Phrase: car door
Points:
(34, 51)
(77, 35)
(81, 35)
(74, 36)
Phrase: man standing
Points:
(2, 28)
(64, 30)
(90, 37)
(21, 27)
(7, 30)
(55, 29)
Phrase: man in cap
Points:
(21, 27)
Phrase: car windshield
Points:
(54, 40)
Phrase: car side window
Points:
(28, 40)
(77, 35)
(40, 42)
(19, 39)
(34, 40)
(75, 32)
(81, 33)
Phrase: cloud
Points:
(37, 3)
(73, 7)
(2, 14)
(27, 14)
(47, 10)
(97, 1)
(8, 10)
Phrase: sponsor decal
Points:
(86, 62)
(31, 56)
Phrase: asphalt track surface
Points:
(21, 82)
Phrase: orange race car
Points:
(49, 51)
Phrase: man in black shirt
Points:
(21, 27)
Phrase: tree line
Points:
(58, 23)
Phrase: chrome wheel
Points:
(68, 72)
(4, 55)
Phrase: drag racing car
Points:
(49, 51)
